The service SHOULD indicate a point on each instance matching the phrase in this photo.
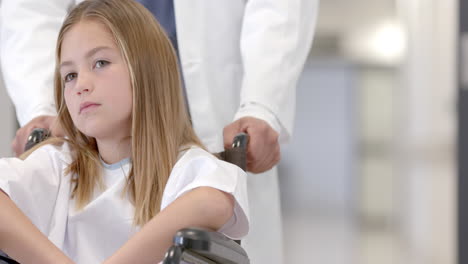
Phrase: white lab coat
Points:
(239, 58)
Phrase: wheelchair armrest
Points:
(208, 245)
(4, 259)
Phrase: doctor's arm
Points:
(275, 40)
(204, 207)
(21, 240)
(29, 30)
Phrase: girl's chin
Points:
(94, 133)
(104, 135)
(103, 130)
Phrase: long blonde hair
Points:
(160, 122)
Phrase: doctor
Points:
(240, 62)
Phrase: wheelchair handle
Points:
(240, 140)
(37, 135)
(237, 154)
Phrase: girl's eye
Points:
(101, 63)
(70, 77)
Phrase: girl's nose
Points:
(83, 84)
(82, 91)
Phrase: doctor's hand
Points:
(47, 122)
(263, 149)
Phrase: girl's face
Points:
(97, 87)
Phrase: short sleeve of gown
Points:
(198, 168)
(34, 184)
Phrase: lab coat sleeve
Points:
(29, 30)
(275, 40)
(33, 184)
(199, 169)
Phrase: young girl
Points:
(131, 171)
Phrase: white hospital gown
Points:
(42, 191)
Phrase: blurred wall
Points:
(317, 167)
(317, 171)
(7, 119)
(427, 131)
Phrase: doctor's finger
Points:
(21, 138)
(261, 146)
(270, 161)
(271, 156)
(263, 158)
(263, 166)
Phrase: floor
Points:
(338, 239)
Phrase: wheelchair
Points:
(190, 245)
